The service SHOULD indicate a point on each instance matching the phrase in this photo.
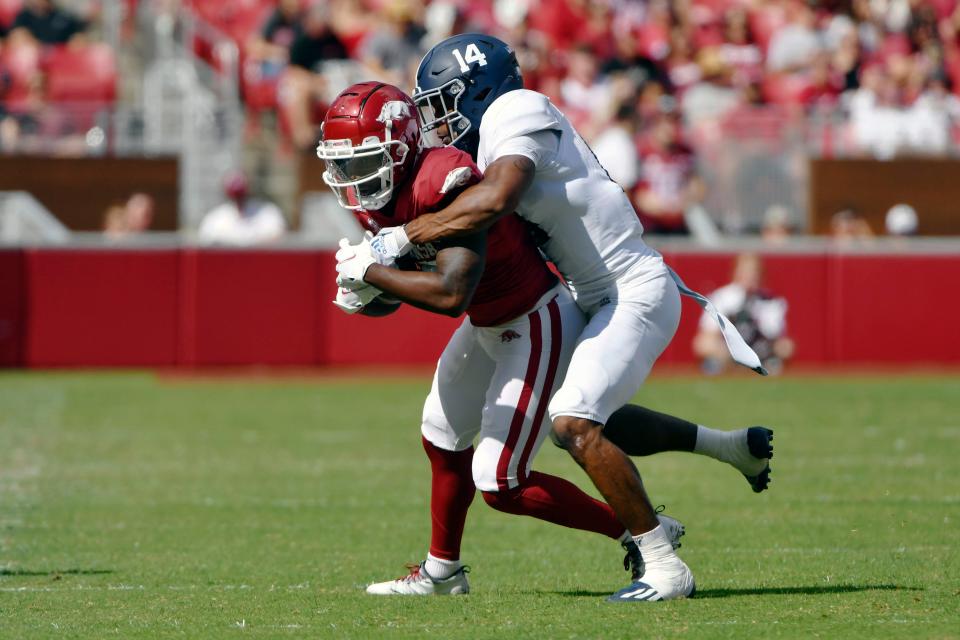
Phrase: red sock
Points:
(451, 493)
(555, 500)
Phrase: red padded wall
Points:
(249, 307)
(896, 309)
(12, 294)
(101, 308)
(409, 336)
(80, 307)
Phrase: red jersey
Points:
(665, 172)
(515, 276)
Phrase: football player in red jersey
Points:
(496, 375)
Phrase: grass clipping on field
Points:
(134, 507)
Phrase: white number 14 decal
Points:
(470, 54)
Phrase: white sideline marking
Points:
(820, 550)
(140, 587)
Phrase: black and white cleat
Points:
(760, 444)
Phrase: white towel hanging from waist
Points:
(739, 349)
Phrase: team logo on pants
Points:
(509, 336)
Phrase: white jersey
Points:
(591, 230)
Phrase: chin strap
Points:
(739, 349)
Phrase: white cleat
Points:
(420, 583)
(633, 561)
(665, 579)
(674, 528)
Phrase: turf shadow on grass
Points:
(763, 591)
(4, 571)
(810, 590)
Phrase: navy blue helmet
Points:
(456, 81)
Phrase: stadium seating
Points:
(238, 19)
(21, 63)
(259, 93)
(765, 21)
(786, 88)
(85, 74)
(8, 11)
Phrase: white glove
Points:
(391, 243)
(353, 260)
(353, 301)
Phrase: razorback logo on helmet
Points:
(370, 139)
(393, 110)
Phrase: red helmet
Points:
(369, 143)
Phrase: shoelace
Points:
(417, 571)
(414, 574)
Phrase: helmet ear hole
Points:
(482, 95)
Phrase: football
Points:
(382, 305)
(385, 304)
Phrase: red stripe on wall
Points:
(556, 342)
(12, 295)
(529, 380)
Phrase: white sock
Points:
(439, 568)
(626, 536)
(728, 446)
(654, 545)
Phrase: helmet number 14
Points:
(470, 54)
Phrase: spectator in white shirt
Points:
(759, 315)
(616, 148)
(241, 221)
(584, 88)
(794, 45)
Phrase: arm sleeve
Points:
(22, 21)
(270, 26)
(540, 147)
(299, 56)
(77, 25)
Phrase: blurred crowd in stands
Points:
(47, 57)
(647, 82)
(643, 80)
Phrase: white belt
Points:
(739, 349)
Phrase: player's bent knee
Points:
(492, 498)
(574, 434)
(486, 458)
(555, 439)
(505, 501)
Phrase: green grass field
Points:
(138, 506)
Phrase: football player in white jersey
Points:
(470, 94)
